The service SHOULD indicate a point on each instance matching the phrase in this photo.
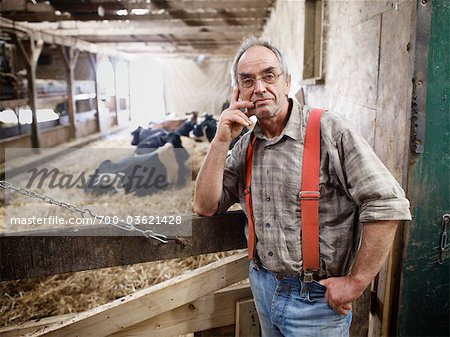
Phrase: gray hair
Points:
(253, 41)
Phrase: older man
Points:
(360, 202)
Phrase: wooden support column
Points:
(31, 56)
(114, 62)
(70, 56)
(94, 65)
(247, 321)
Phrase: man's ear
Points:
(288, 84)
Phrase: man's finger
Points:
(234, 95)
(242, 105)
(241, 119)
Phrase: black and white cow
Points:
(142, 135)
(142, 175)
(206, 127)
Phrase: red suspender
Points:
(248, 198)
(309, 195)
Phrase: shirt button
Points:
(270, 253)
(267, 198)
(267, 225)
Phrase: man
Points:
(359, 206)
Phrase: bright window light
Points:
(139, 11)
(122, 12)
(43, 115)
(8, 117)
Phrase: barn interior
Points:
(83, 75)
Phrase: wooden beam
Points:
(115, 29)
(50, 38)
(70, 57)
(31, 55)
(171, 5)
(27, 327)
(211, 311)
(259, 13)
(60, 251)
(94, 65)
(145, 304)
(56, 27)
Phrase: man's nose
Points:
(260, 86)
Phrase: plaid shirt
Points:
(355, 187)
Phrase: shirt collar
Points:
(293, 129)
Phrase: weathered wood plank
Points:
(22, 329)
(59, 251)
(223, 331)
(145, 304)
(247, 321)
(211, 311)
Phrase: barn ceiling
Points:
(194, 27)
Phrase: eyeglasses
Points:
(267, 78)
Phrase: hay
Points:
(40, 297)
(25, 300)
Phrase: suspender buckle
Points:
(247, 190)
(309, 195)
(308, 277)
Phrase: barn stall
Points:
(373, 61)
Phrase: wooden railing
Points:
(203, 300)
(56, 251)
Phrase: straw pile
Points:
(40, 297)
(25, 300)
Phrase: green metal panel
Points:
(424, 297)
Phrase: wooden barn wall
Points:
(285, 29)
(367, 64)
(200, 86)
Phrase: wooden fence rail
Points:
(42, 253)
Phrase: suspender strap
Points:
(248, 197)
(309, 195)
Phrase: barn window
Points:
(312, 55)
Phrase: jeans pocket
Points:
(320, 286)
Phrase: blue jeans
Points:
(285, 310)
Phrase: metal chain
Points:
(443, 242)
(84, 212)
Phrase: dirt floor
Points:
(25, 300)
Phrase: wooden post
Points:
(93, 59)
(70, 57)
(247, 321)
(31, 57)
(117, 102)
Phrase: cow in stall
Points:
(145, 174)
(141, 135)
(155, 137)
(207, 127)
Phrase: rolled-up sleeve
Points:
(372, 187)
